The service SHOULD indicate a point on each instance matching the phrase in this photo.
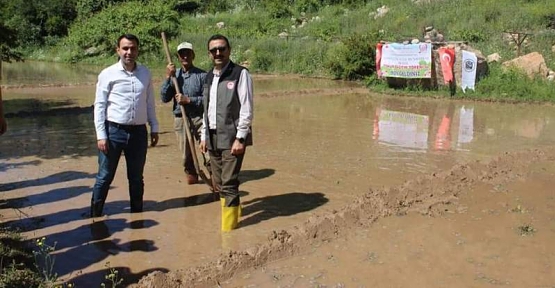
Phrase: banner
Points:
(406, 60)
(447, 59)
(378, 59)
(469, 62)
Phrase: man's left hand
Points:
(237, 148)
(153, 139)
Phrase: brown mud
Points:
(435, 195)
(324, 151)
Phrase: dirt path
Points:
(478, 224)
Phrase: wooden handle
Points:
(169, 58)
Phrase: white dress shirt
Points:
(245, 93)
(124, 97)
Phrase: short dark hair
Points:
(129, 37)
(218, 37)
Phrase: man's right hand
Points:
(182, 99)
(102, 145)
(170, 70)
(202, 147)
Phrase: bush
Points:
(278, 8)
(469, 35)
(354, 58)
(99, 33)
(16, 259)
(514, 85)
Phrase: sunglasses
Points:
(219, 49)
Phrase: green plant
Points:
(278, 8)
(16, 275)
(44, 260)
(98, 34)
(354, 58)
(469, 35)
(15, 253)
(112, 276)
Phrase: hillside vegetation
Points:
(329, 38)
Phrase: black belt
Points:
(125, 126)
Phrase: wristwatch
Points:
(241, 140)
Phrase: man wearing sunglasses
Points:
(190, 80)
(228, 113)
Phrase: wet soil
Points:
(339, 189)
(476, 225)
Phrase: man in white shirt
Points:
(228, 113)
(124, 103)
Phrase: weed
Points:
(112, 276)
(519, 209)
(15, 260)
(526, 230)
(44, 261)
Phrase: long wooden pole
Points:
(190, 141)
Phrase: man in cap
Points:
(189, 94)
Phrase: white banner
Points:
(469, 63)
(406, 60)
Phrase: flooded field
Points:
(319, 147)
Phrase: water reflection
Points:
(305, 113)
(421, 132)
(38, 73)
(401, 128)
(466, 126)
(447, 127)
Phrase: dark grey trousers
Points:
(225, 173)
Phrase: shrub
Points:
(100, 31)
(469, 35)
(278, 8)
(513, 84)
(16, 259)
(354, 58)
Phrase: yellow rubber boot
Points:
(230, 218)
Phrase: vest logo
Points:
(230, 85)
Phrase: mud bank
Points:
(431, 195)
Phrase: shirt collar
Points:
(223, 69)
(122, 68)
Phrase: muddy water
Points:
(318, 145)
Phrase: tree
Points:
(7, 40)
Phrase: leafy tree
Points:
(34, 21)
(86, 8)
(8, 40)
(97, 35)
